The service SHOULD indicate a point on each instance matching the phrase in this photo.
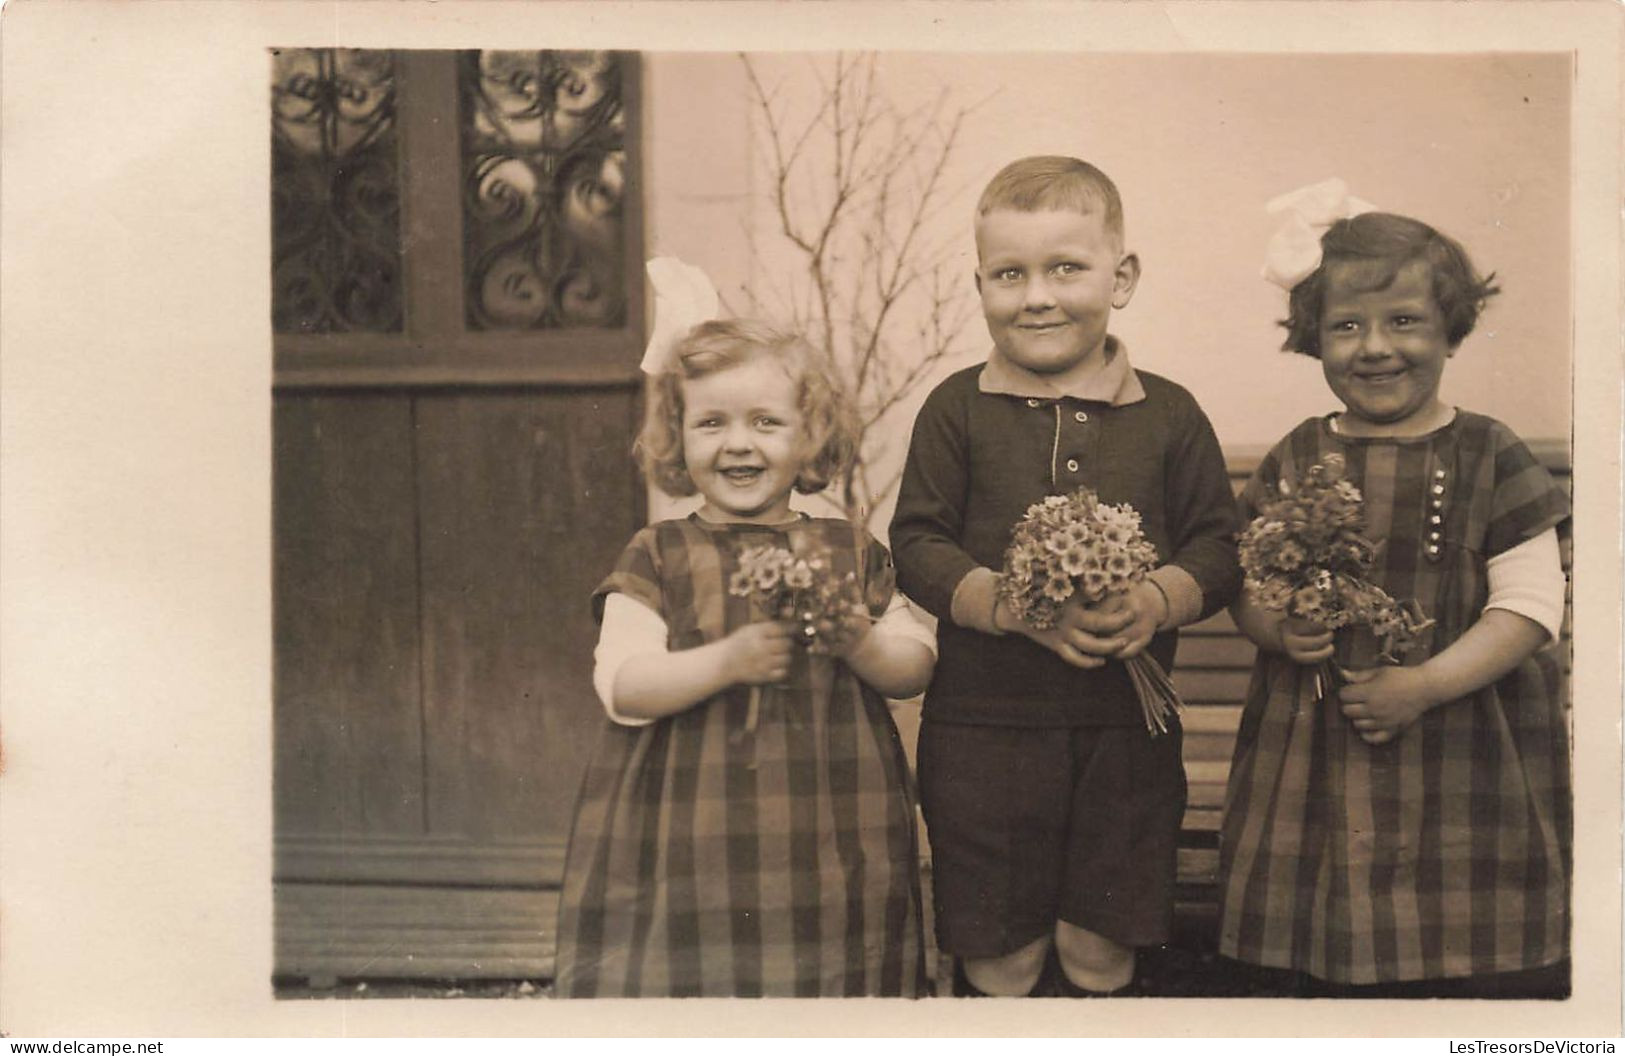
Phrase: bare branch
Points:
(857, 190)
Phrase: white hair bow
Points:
(684, 297)
(1293, 252)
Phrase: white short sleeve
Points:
(901, 621)
(629, 628)
(1528, 580)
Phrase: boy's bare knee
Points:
(1014, 974)
(1093, 961)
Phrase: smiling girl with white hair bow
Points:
(1409, 835)
(729, 841)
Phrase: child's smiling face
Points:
(742, 440)
(1049, 281)
(1383, 351)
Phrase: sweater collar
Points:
(1112, 381)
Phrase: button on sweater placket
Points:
(1068, 453)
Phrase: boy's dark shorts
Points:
(1031, 825)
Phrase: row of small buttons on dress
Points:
(1434, 549)
(1079, 416)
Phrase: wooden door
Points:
(451, 436)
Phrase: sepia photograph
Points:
(458, 246)
(669, 508)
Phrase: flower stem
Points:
(1158, 698)
(1326, 681)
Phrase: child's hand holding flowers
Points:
(1145, 607)
(822, 612)
(759, 653)
(1084, 635)
(1305, 559)
(1089, 634)
(1304, 641)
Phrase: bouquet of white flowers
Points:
(1075, 544)
(802, 588)
(1304, 556)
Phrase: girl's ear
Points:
(1125, 279)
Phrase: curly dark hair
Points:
(829, 425)
(1370, 250)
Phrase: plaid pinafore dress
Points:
(706, 860)
(1445, 852)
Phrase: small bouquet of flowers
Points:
(802, 588)
(1304, 556)
(1068, 545)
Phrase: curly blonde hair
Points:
(829, 426)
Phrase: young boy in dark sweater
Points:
(1053, 814)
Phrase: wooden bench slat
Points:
(1212, 718)
(1228, 651)
(1202, 819)
(1198, 865)
(1210, 686)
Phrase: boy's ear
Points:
(1125, 279)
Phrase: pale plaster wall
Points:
(1476, 144)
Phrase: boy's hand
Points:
(1083, 636)
(1382, 701)
(1147, 608)
(759, 653)
(1305, 642)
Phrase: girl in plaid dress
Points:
(1411, 835)
(723, 847)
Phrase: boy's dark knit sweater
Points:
(978, 460)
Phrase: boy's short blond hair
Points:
(828, 422)
(1054, 181)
